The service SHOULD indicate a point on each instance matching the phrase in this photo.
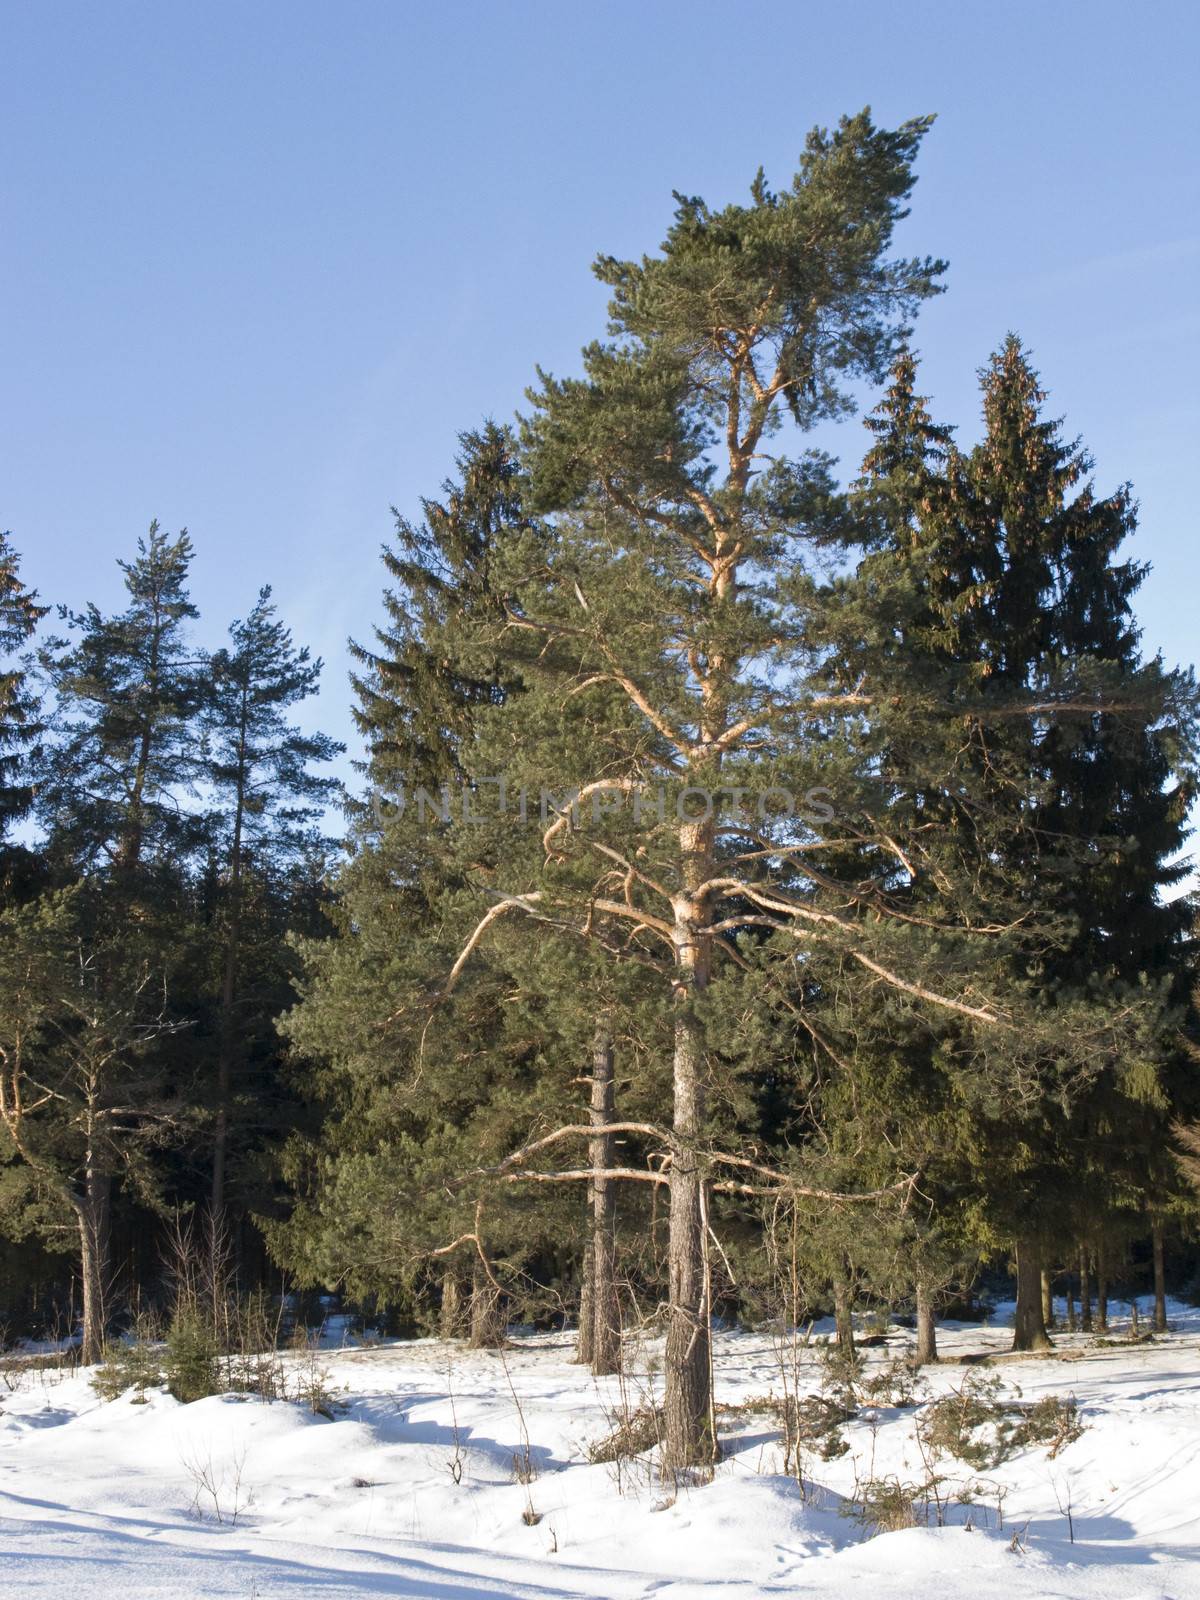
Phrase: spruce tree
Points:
(1075, 744)
(1109, 809)
(426, 1081)
(409, 1093)
(415, 689)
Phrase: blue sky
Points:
(261, 263)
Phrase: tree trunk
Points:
(688, 1435)
(1029, 1327)
(604, 1310)
(129, 851)
(1071, 1322)
(1047, 1298)
(133, 830)
(926, 1329)
(1160, 1278)
(843, 1315)
(1101, 1289)
(586, 1340)
(688, 1440)
(450, 1316)
(224, 1081)
(1085, 1291)
(225, 1034)
(92, 1211)
(487, 1312)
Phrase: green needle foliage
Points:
(263, 820)
(123, 750)
(19, 617)
(1078, 752)
(759, 900)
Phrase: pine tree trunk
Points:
(688, 1438)
(133, 830)
(1101, 1289)
(585, 1342)
(92, 1278)
(225, 1033)
(1029, 1329)
(129, 852)
(450, 1316)
(487, 1324)
(1085, 1291)
(843, 1315)
(1047, 1298)
(92, 1212)
(223, 1086)
(1072, 1324)
(604, 1310)
(1160, 1278)
(927, 1353)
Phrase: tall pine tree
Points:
(268, 802)
(125, 755)
(19, 616)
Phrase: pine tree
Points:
(117, 801)
(125, 756)
(83, 1098)
(598, 641)
(267, 804)
(677, 606)
(19, 616)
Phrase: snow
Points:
(231, 1497)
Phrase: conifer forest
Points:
(753, 904)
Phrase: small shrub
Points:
(637, 1433)
(975, 1426)
(833, 1445)
(133, 1365)
(810, 1417)
(754, 1405)
(193, 1358)
(969, 1423)
(841, 1372)
(876, 1325)
(315, 1390)
(314, 1381)
(885, 1505)
(895, 1384)
(260, 1373)
(1053, 1421)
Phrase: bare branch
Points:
(980, 1013)
(514, 902)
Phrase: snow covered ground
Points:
(120, 1499)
